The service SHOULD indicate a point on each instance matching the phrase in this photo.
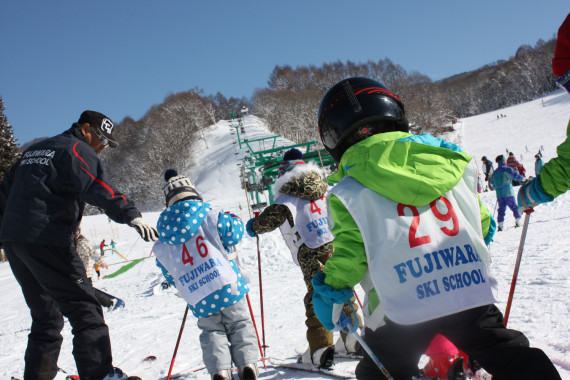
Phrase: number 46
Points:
(200, 246)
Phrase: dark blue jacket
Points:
(43, 195)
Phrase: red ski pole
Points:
(517, 264)
(358, 299)
(255, 326)
(178, 341)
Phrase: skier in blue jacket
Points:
(194, 252)
(502, 181)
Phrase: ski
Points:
(346, 355)
(340, 370)
(179, 374)
(118, 302)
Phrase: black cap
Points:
(101, 123)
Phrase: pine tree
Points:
(8, 146)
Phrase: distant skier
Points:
(538, 164)
(102, 247)
(502, 181)
(194, 252)
(97, 268)
(515, 165)
(487, 170)
(300, 212)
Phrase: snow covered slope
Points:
(150, 322)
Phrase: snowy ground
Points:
(151, 320)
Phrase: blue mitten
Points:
(531, 194)
(328, 302)
(249, 227)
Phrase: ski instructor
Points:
(42, 198)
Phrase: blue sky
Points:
(121, 57)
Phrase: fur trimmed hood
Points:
(304, 181)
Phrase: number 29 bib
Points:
(424, 262)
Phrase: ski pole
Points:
(255, 326)
(178, 341)
(517, 264)
(345, 321)
(357, 298)
(261, 295)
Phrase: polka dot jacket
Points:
(178, 224)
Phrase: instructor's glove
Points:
(531, 195)
(249, 227)
(328, 302)
(146, 231)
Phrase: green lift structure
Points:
(259, 167)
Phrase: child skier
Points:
(300, 201)
(409, 226)
(97, 268)
(193, 253)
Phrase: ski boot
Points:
(248, 372)
(517, 222)
(224, 374)
(118, 374)
(321, 358)
(500, 227)
(349, 347)
(115, 374)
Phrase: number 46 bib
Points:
(199, 266)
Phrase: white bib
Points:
(310, 219)
(199, 266)
(424, 262)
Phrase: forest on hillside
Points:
(164, 136)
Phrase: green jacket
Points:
(555, 174)
(409, 169)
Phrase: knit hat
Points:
(500, 159)
(291, 158)
(293, 154)
(102, 125)
(561, 61)
(178, 187)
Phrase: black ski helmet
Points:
(356, 108)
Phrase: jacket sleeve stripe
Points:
(77, 154)
(102, 183)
